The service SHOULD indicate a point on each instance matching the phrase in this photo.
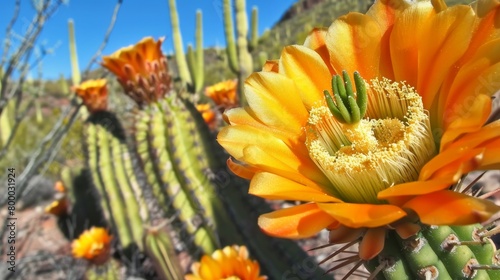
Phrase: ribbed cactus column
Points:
(437, 252)
(240, 60)
(109, 162)
(152, 137)
(178, 47)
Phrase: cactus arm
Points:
(75, 69)
(132, 209)
(254, 32)
(6, 122)
(92, 152)
(116, 204)
(191, 62)
(244, 58)
(229, 34)
(63, 84)
(161, 251)
(152, 142)
(199, 75)
(179, 49)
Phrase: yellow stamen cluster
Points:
(389, 146)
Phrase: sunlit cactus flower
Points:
(224, 94)
(208, 114)
(93, 245)
(232, 262)
(60, 206)
(94, 94)
(142, 70)
(372, 122)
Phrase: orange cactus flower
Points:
(208, 115)
(93, 245)
(142, 70)
(60, 206)
(429, 71)
(232, 262)
(224, 94)
(94, 94)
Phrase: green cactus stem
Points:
(160, 249)
(254, 31)
(240, 60)
(63, 84)
(198, 73)
(153, 143)
(73, 55)
(178, 47)
(6, 122)
(195, 58)
(229, 34)
(107, 271)
(436, 252)
(109, 161)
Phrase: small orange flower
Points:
(208, 114)
(60, 206)
(224, 94)
(141, 69)
(232, 262)
(93, 245)
(94, 94)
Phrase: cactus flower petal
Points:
(295, 222)
(363, 215)
(271, 186)
(451, 208)
(307, 65)
(372, 244)
(231, 262)
(93, 245)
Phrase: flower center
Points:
(388, 146)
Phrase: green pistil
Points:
(348, 107)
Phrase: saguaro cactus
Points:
(240, 60)
(178, 46)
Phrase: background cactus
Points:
(239, 57)
(75, 68)
(195, 58)
(180, 59)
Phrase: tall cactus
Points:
(178, 47)
(6, 122)
(240, 60)
(75, 69)
(109, 162)
(254, 35)
(63, 84)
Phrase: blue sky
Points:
(136, 20)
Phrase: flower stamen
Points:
(387, 147)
